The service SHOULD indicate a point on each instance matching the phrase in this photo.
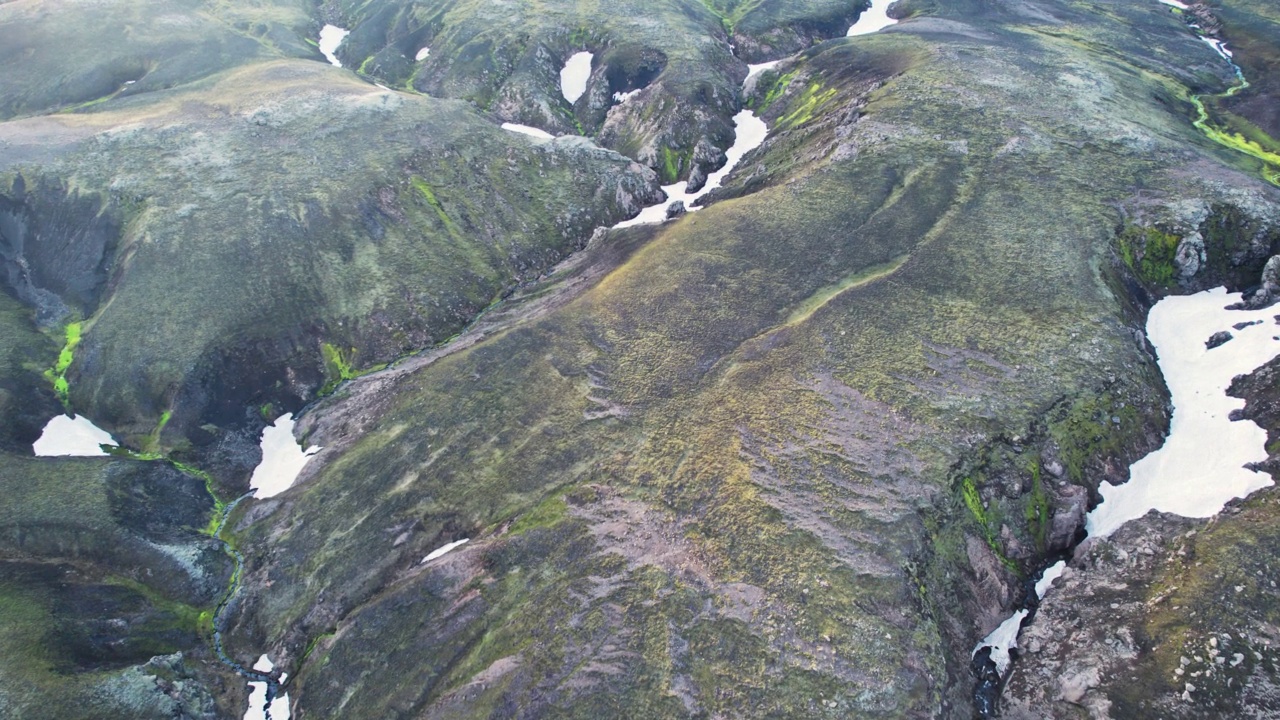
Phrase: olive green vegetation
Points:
(1038, 511)
(751, 465)
(1150, 254)
(507, 59)
(739, 470)
(1248, 118)
(777, 84)
(1093, 428)
(58, 373)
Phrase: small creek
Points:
(282, 461)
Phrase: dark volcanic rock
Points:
(1218, 339)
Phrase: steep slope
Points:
(793, 453)
(790, 455)
(227, 245)
(106, 581)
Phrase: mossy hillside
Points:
(682, 381)
(114, 514)
(507, 60)
(63, 60)
(102, 567)
(74, 646)
(1200, 600)
(770, 29)
(358, 259)
(1150, 253)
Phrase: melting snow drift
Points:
(1200, 467)
(872, 19)
(282, 459)
(259, 709)
(750, 134)
(754, 70)
(75, 436)
(574, 76)
(331, 36)
(444, 549)
(1005, 637)
(526, 130)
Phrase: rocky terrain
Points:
(790, 455)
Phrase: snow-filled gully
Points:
(873, 19)
(1202, 464)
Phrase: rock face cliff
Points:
(790, 453)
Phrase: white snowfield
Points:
(574, 76)
(440, 551)
(65, 435)
(1200, 467)
(331, 36)
(282, 459)
(530, 131)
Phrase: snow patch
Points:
(530, 131)
(872, 19)
(1219, 47)
(1002, 640)
(1200, 467)
(331, 36)
(67, 435)
(1048, 576)
(282, 459)
(444, 549)
(573, 78)
(1005, 637)
(750, 132)
(259, 708)
(754, 70)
